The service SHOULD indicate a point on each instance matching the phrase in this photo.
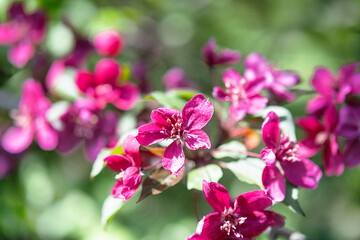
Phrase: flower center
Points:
(231, 223)
(176, 127)
(85, 123)
(21, 120)
(287, 150)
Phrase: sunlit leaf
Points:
(118, 150)
(110, 208)
(291, 199)
(158, 181)
(165, 100)
(183, 93)
(211, 173)
(99, 164)
(233, 149)
(248, 170)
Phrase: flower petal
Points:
(346, 72)
(209, 227)
(333, 163)
(232, 79)
(348, 123)
(131, 147)
(331, 117)
(217, 196)
(310, 124)
(128, 97)
(220, 94)
(352, 153)
(150, 133)
(317, 105)
(287, 79)
(281, 93)
(174, 158)
(94, 146)
(256, 104)
(109, 43)
(56, 69)
(16, 139)
(117, 163)
(46, 136)
(84, 79)
(21, 53)
(9, 33)
(248, 202)
(323, 81)
(237, 111)
(67, 140)
(303, 173)
(197, 138)
(164, 115)
(274, 183)
(106, 71)
(268, 156)
(270, 130)
(197, 112)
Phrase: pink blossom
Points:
(109, 43)
(243, 94)
(104, 86)
(176, 78)
(212, 57)
(244, 218)
(84, 121)
(22, 32)
(333, 89)
(348, 128)
(30, 121)
(318, 136)
(274, 79)
(128, 165)
(299, 170)
(185, 125)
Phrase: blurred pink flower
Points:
(104, 86)
(244, 218)
(22, 32)
(333, 89)
(176, 78)
(298, 170)
(275, 80)
(318, 136)
(84, 121)
(128, 165)
(30, 121)
(243, 94)
(185, 125)
(109, 43)
(212, 57)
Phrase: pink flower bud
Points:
(109, 43)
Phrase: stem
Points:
(213, 76)
(287, 233)
(151, 166)
(195, 199)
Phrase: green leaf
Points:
(65, 85)
(233, 149)
(287, 124)
(166, 100)
(291, 199)
(110, 208)
(248, 170)
(118, 150)
(184, 93)
(211, 173)
(99, 164)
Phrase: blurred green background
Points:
(51, 196)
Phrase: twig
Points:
(287, 233)
(195, 199)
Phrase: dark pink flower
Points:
(244, 218)
(348, 128)
(243, 94)
(109, 43)
(22, 32)
(212, 57)
(175, 78)
(185, 125)
(128, 165)
(318, 136)
(275, 80)
(30, 121)
(299, 170)
(104, 86)
(84, 121)
(333, 89)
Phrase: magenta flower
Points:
(243, 94)
(318, 136)
(275, 80)
(109, 43)
(348, 128)
(30, 121)
(213, 58)
(175, 78)
(84, 121)
(244, 218)
(297, 169)
(22, 32)
(185, 125)
(333, 89)
(128, 166)
(104, 86)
